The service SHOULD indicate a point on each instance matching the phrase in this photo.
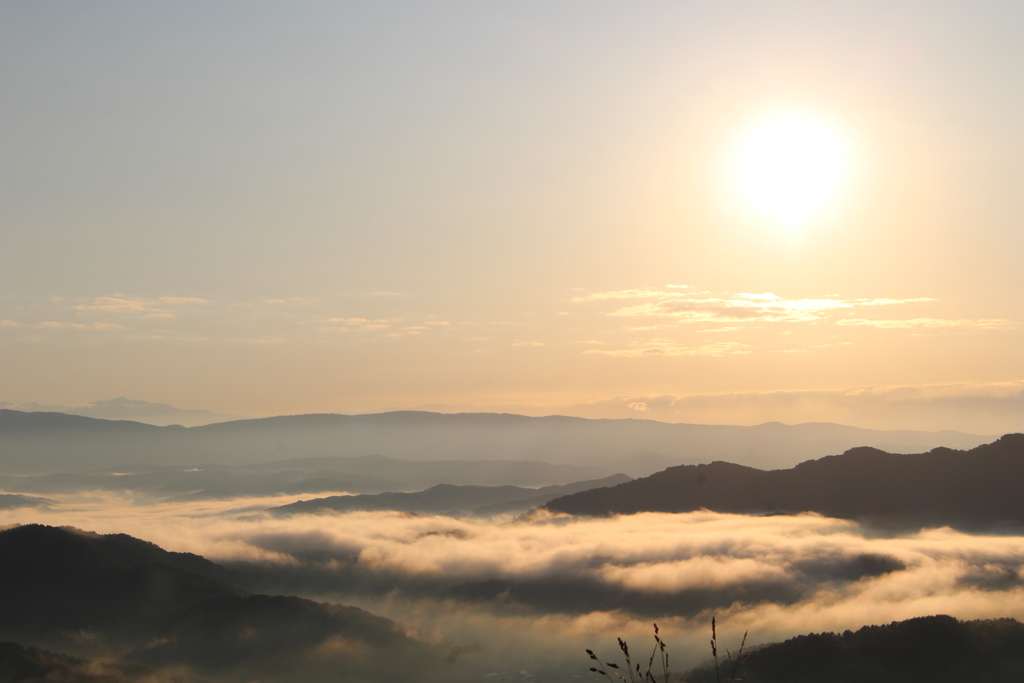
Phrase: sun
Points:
(789, 167)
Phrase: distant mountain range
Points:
(362, 474)
(450, 499)
(937, 649)
(38, 442)
(33, 664)
(122, 408)
(979, 487)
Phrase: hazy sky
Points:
(261, 208)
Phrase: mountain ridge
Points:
(449, 499)
(323, 474)
(122, 408)
(51, 442)
(932, 649)
(943, 486)
(116, 597)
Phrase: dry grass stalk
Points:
(661, 653)
(637, 677)
(740, 656)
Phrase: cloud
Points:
(890, 302)
(932, 323)
(291, 299)
(97, 326)
(182, 300)
(815, 346)
(669, 347)
(150, 307)
(383, 324)
(412, 330)
(642, 293)
(552, 584)
(991, 408)
(361, 324)
(697, 573)
(741, 308)
(112, 304)
(981, 408)
(57, 325)
(684, 305)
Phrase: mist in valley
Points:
(531, 592)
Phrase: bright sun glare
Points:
(789, 167)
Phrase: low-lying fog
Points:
(525, 593)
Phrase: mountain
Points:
(122, 408)
(363, 474)
(451, 499)
(60, 580)
(937, 649)
(33, 664)
(422, 473)
(119, 599)
(197, 483)
(36, 443)
(979, 487)
(285, 638)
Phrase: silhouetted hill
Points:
(54, 442)
(259, 636)
(936, 649)
(450, 499)
(981, 486)
(116, 596)
(19, 664)
(63, 580)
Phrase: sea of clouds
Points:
(534, 591)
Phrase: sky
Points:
(257, 209)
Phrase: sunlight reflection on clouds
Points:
(777, 575)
